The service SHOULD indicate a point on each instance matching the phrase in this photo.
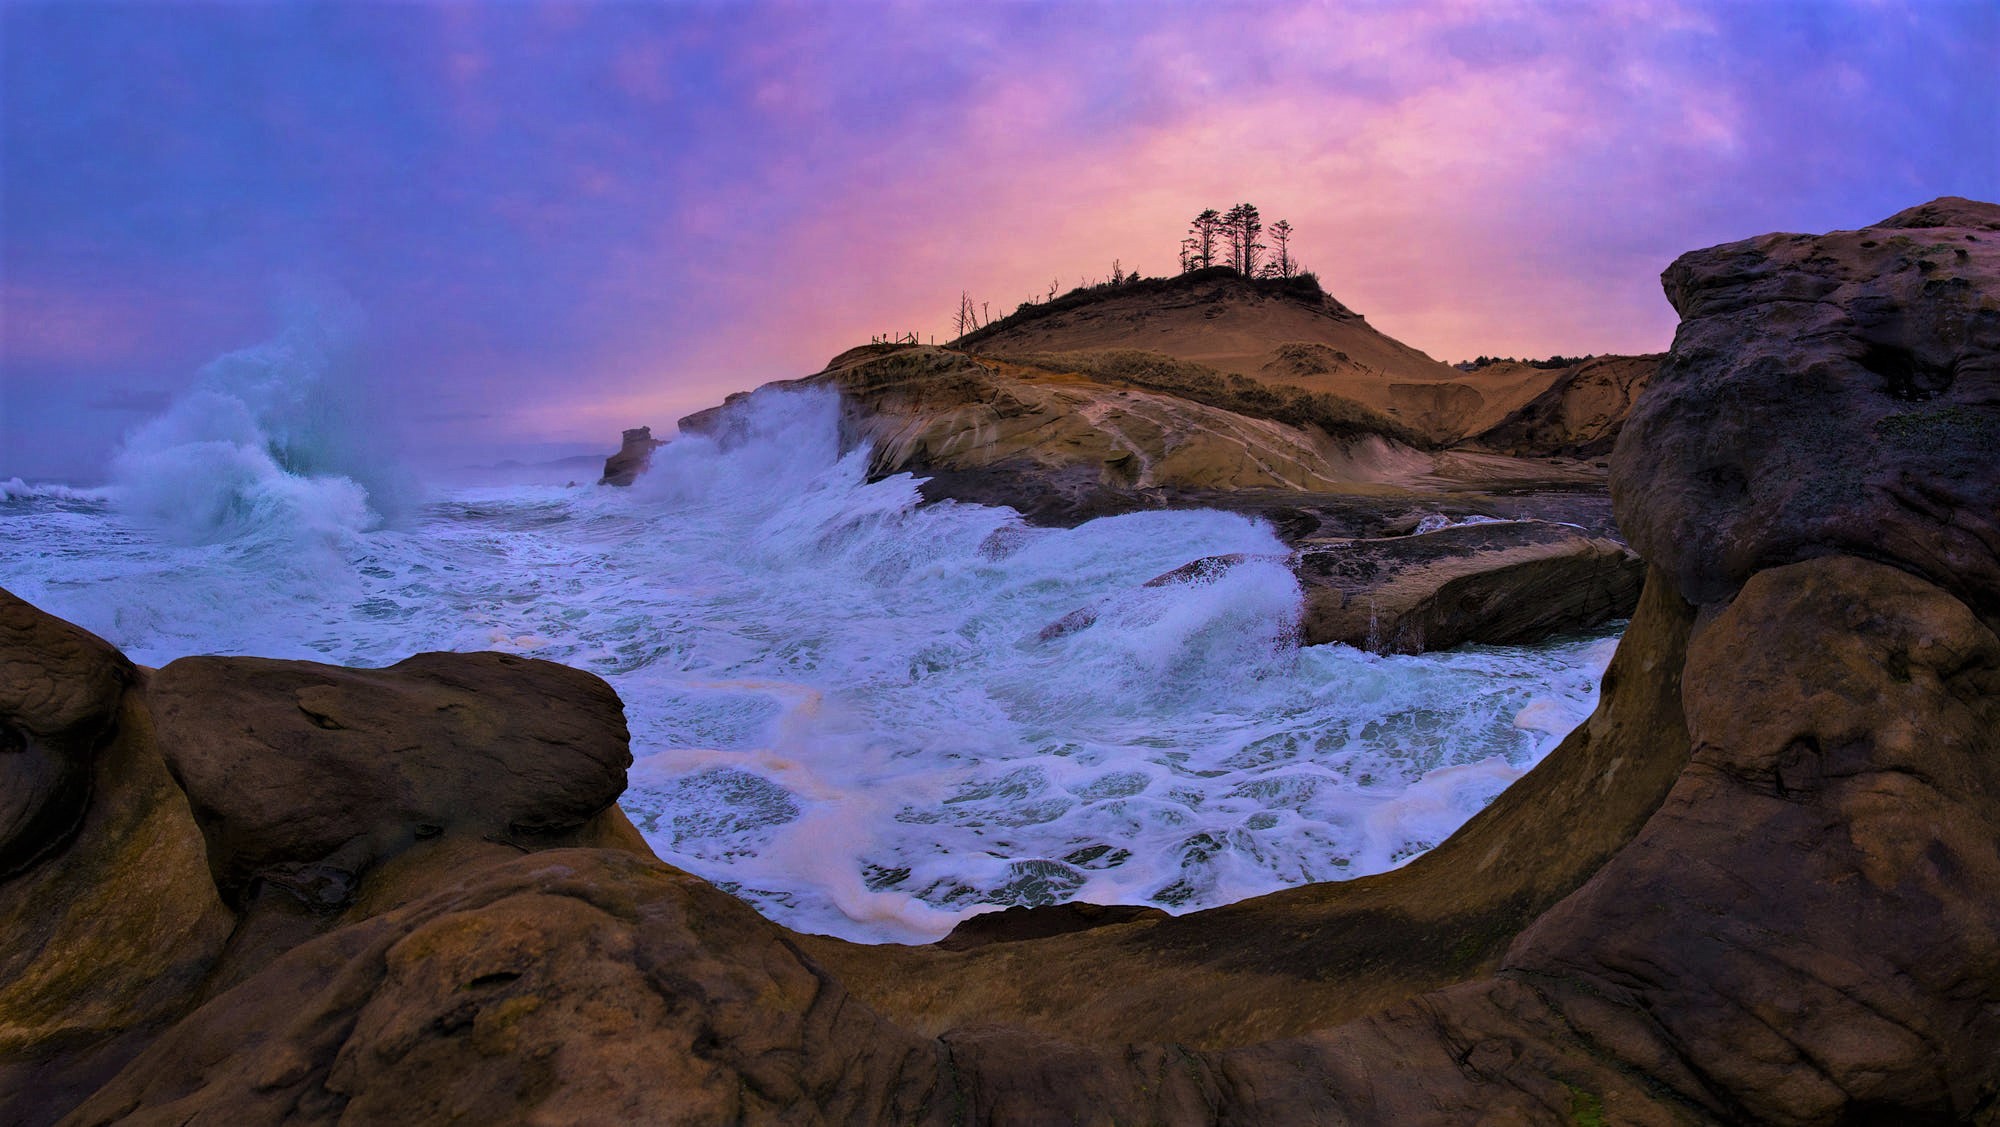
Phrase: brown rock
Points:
(60, 692)
(109, 920)
(1497, 583)
(304, 776)
(635, 454)
(1826, 395)
(1579, 415)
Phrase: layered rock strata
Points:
(1490, 582)
(1497, 583)
(1579, 414)
(1760, 884)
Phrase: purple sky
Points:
(553, 221)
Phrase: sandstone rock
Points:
(635, 453)
(1579, 415)
(314, 797)
(1492, 582)
(109, 920)
(1065, 438)
(304, 776)
(1874, 356)
(60, 692)
(1497, 582)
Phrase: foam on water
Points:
(845, 707)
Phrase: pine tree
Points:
(1205, 228)
(1243, 226)
(1281, 234)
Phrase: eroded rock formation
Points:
(635, 453)
(1491, 582)
(1497, 583)
(1760, 884)
(1579, 414)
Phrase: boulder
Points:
(175, 831)
(303, 777)
(635, 454)
(1827, 395)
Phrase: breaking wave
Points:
(847, 708)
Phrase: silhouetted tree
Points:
(968, 314)
(1206, 227)
(1241, 226)
(1281, 235)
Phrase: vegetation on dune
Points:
(1556, 361)
(1218, 245)
(1338, 417)
(1304, 286)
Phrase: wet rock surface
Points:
(635, 453)
(1497, 583)
(1491, 582)
(1760, 884)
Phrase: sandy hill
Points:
(1578, 413)
(1281, 332)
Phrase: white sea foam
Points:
(14, 489)
(845, 707)
(264, 445)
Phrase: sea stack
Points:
(635, 453)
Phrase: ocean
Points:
(844, 706)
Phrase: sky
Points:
(537, 224)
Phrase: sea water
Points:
(845, 705)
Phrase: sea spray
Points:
(847, 707)
(265, 444)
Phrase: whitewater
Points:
(844, 705)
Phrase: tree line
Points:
(1556, 361)
(1232, 238)
(1236, 234)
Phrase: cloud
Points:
(562, 220)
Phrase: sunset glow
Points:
(556, 221)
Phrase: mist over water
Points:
(844, 707)
(268, 443)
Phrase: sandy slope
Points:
(1280, 337)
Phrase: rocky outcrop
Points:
(1492, 582)
(1025, 430)
(1064, 438)
(635, 453)
(1497, 583)
(216, 814)
(1760, 884)
(1829, 395)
